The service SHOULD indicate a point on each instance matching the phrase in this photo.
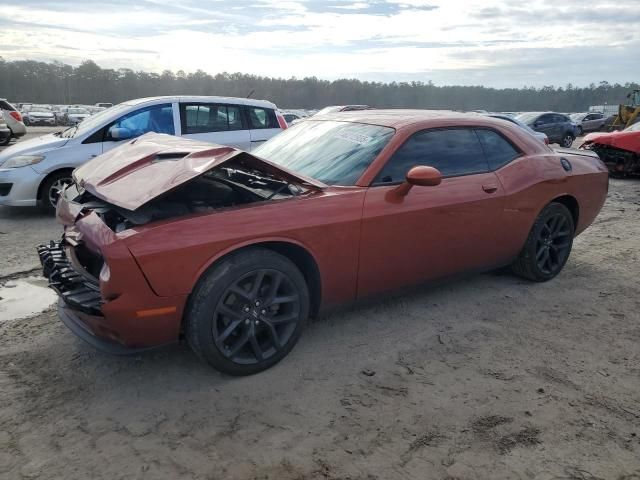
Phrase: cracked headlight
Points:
(22, 161)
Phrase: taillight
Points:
(16, 115)
(281, 121)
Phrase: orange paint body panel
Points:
(365, 240)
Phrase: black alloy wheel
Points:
(548, 245)
(553, 244)
(247, 311)
(256, 317)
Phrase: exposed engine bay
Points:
(225, 186)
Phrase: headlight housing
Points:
(22, 161)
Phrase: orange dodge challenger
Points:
(167, 237)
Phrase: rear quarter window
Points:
(497, 149)
(262, 118)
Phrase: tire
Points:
(6, 141)
(238, 328)
(51, 188)
(26, 122)
(567, 140)
(552, 232)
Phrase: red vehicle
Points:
(620, 151)
(167, 237)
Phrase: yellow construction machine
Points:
(627, 114)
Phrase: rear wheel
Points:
(247, 312)
(567, 140)
(6, 141)
(548, 246)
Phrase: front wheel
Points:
(548, 245)
(567, 140)
(52, 188)
(247, 312)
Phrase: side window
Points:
(158, 118)
(545, 119)
(597, 116)
(498, 150)
(207, 117)
(453, 152)
(262, 118)
(560, 118)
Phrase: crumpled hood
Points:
(621, 139)
(151, 165)
(33, 146)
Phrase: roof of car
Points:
(201, 98)
(397, 118)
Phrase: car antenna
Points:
(250, 93)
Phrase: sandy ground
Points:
(490, 377)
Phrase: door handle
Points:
(490, 188)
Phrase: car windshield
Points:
(94, 121)
(40, 110)
(336, 153)
(527, 117)
(577, 117)
(633, 128)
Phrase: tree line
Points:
(88, 83)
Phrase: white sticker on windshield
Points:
(353, 137)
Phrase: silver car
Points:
(588, 122)
(35, 171)
(39, 116)
(13, 119)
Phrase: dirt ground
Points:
(490, 377)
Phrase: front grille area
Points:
(5, 188)
(78, 291)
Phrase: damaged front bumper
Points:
(75, 290)
(80, 305)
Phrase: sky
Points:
(498, 43)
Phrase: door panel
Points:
(263, 124)
(430, 233)
(259, 136)
(238, 139)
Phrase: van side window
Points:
(208, 117)
(262, 118)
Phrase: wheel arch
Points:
(571, 203)
(291, 249)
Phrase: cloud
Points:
(491, 42)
